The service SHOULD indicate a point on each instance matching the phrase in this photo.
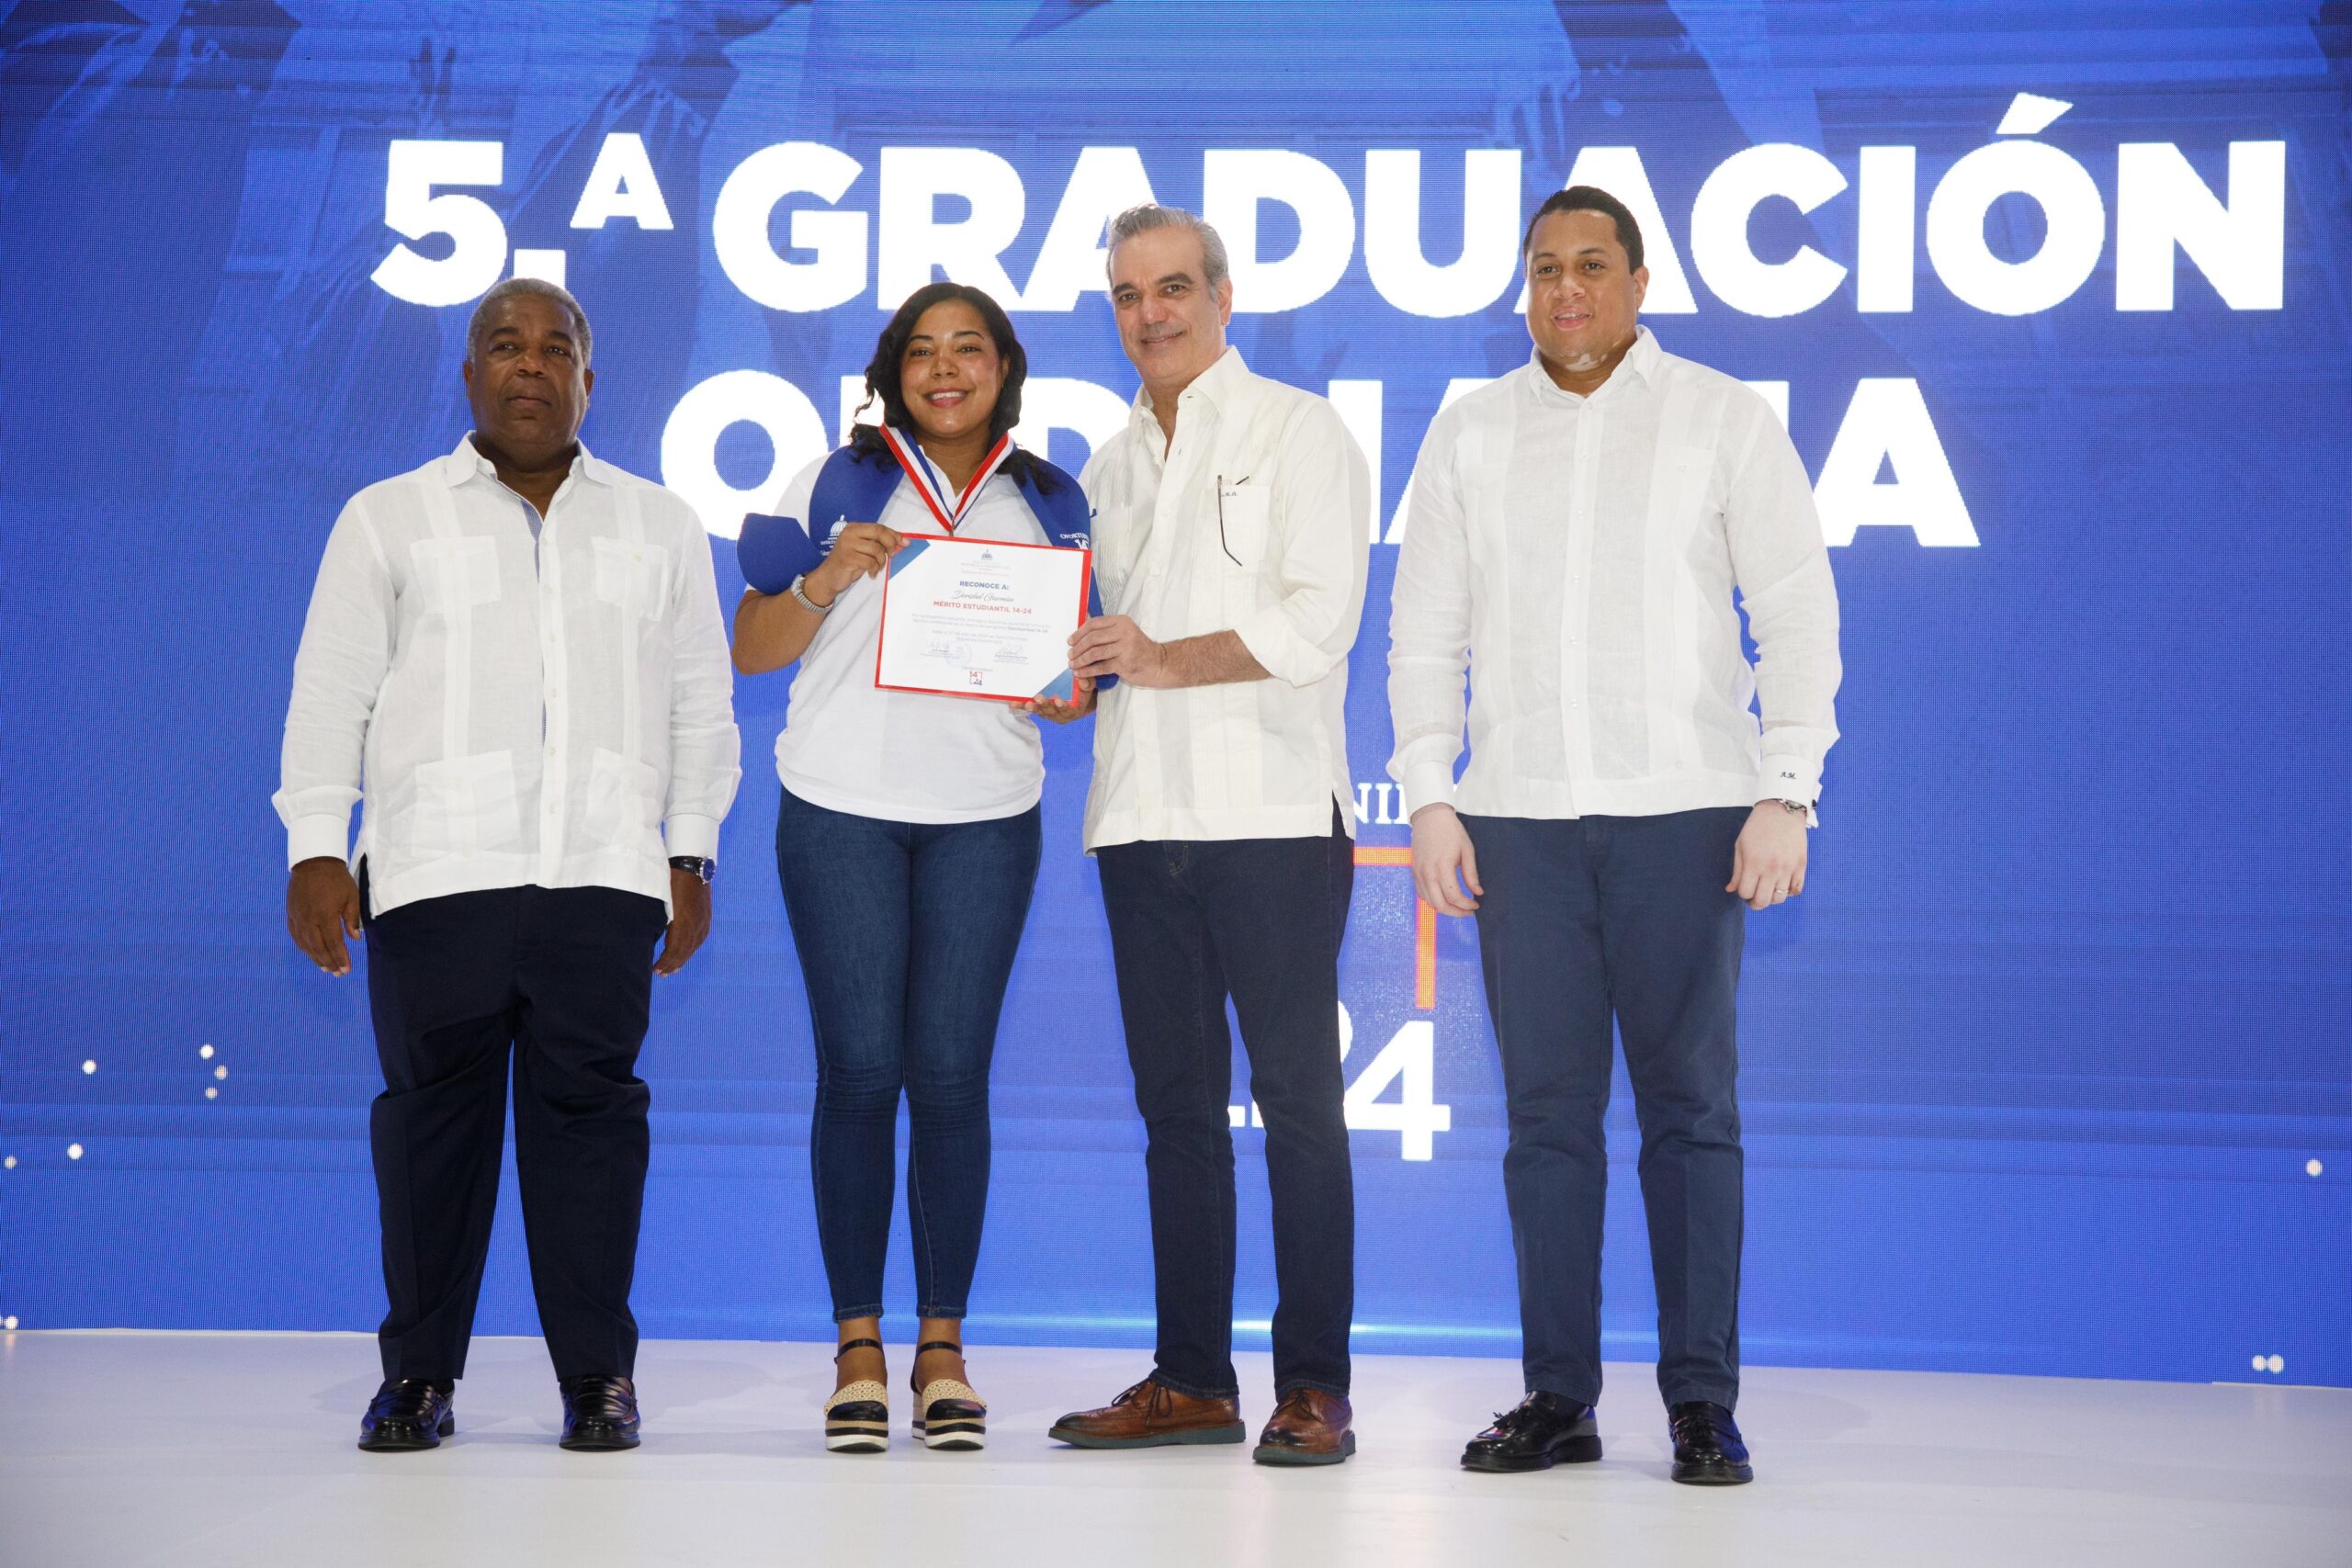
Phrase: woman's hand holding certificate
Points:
(861, 549)
(982, 619)
(1064, 710)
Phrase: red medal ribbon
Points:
(932, 485)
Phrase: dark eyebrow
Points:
(1174, 277)
(510, 330)
(959, 332)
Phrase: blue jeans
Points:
(1257, 919)
(1581, 921)
(906, 932)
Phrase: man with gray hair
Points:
(1230, 546)
(514, 654)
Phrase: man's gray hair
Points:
(1151, 215)
(533, 287)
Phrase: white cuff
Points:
(695, 836)
(1428, 781)
(1788, 778)
(324, 837)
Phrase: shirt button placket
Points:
(553, 728)
(1574, 720)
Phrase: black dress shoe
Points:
(1543, 1431)
(1707, 1448)
(599, 1413)
(407, 1415)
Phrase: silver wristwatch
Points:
(1796, 808)
(806, 603)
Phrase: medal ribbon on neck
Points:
(932, 485)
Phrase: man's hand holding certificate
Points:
(981, 618)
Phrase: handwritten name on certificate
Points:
(980, 618)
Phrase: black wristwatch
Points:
(699, 865)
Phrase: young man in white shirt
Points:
(516, 653)
(1230, 548)
(1578, 530)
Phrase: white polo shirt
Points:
(1252, 522)
(904, 756)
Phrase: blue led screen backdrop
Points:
(2047, 1072)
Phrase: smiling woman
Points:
(907, 835)
(949, 368)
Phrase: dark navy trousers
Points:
(1621, 919)
(1259, 920)
(558, 981)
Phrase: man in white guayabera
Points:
(1578, 530)
(515, 652)
(1230, 543)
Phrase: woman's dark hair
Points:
(884, 374)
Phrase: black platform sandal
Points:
(948, 1413)
(857, 1417)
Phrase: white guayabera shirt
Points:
(1578, 556)
(1251, 522)
(519, 706)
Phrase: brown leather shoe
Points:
(1308, 1426)
(1150, 1415)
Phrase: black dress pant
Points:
(1259, 921)
(560, 980)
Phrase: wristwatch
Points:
(806, 603)
(1795, 807)
(700, 865)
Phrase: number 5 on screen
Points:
(478, 252)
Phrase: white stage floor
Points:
(118, 1450)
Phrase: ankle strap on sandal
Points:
(954, 1345)
(849, 1344)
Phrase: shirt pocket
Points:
(624, 810)
(464, 806)
(1245, 514)
(452, 576)
(636, 577)
(1682, 485)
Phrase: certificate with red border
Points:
(980, 618)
